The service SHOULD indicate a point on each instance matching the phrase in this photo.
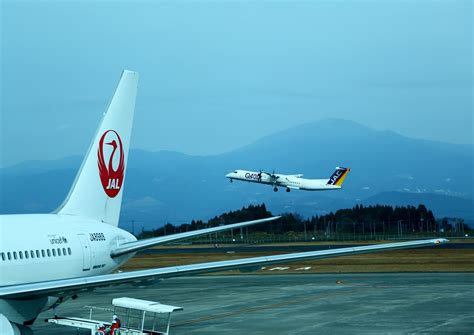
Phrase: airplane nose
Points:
(228, 175)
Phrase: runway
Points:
(300, 304)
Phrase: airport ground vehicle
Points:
(138, 317)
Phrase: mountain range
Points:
(164, 186)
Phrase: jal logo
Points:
(110, 160)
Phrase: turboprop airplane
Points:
(292, 181)
(46, 259)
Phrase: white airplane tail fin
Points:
(98, 188)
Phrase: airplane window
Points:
(3, 256)
(32, 254)
(54, 252)
(48, 252)
(27, 255)
(14, 254)
(9, 255)
(43, 253)
(69, 251)
(38, 254)
(59, 252)
(20, 254)
(64, 251)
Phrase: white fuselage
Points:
(42, 247)
(282, 180)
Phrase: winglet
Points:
(338, 177)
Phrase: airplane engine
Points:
(10, 328)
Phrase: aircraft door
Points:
(86, 252)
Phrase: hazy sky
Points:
(216, 75)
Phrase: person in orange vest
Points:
(115, 328)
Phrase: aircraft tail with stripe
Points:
(338, 177)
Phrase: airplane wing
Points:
(150, 242)
(67, 287)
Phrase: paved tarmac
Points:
(439, 303)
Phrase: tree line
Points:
(377, 219)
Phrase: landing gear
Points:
(288, 189)
(231, 180)
(275, 189)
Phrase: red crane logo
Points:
(111, 179)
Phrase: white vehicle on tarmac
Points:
(131, 317)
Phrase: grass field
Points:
(435, 259)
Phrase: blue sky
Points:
(216, 75)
